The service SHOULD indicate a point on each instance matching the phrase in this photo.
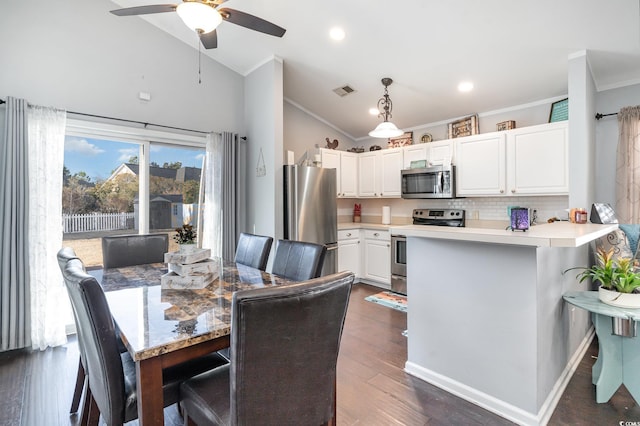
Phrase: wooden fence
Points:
(97, 222)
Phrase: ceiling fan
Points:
(203, 17)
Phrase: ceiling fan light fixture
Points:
(198, 16)
(386, 129)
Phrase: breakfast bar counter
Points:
(486, 318)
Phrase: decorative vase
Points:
(620, 300)
(187, 248)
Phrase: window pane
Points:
(174, 185)
(100, 186)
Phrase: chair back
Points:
(96, 329)
(253, 250)
(298, 260)
(284, 351)
(127, 250)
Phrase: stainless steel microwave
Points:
(429, 182)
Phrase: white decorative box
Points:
(174, 281)
(187, 258)
(199, 268)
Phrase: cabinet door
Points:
(331, 160)
(441, 152)
(390, 167)
(349, 174)
(349, 256)
(367, 175)
(481, 165)
(377, 260)
(414, 153)
(537, 160)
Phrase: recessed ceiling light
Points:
(465, 86)
(374, 111)
(337, 34)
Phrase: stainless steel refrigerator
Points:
(310, 209)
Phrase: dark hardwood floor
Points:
(373, 389)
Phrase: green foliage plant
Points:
(613, 274)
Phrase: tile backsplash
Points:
(480, 208)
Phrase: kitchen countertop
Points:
(557, 234)
(363, 225)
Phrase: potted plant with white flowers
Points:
(618, 279)
(185, 236)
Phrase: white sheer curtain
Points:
(46, 157)
(628, 166)
(210, 219)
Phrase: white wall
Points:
(610, 101)
(77, 56)
(303, 132)
(264, 115)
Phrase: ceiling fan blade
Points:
(252, 22)
(209, 40)
(145, 10)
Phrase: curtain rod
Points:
(2, 101)
(599, 116)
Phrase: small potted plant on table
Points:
(618, 278)
(186, 238)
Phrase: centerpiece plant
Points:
(185, 235)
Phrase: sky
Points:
(98, 158)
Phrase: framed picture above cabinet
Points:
(464, 127)
(403, 140)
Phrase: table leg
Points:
(149, 388)
(610, 357)
(597, 367)
(630, 366)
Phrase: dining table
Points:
(162, 327)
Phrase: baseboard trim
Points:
(499, 407)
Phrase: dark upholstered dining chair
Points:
(64, 255)
(298, 260)
(126, 250)
(284, 351)
(253, 250)
(112, 375)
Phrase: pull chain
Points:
(199, 59)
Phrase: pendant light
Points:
(386, 129)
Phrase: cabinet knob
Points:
(513, 191)
(381, 194)
(349, 234)
(388, 245)
(376, 235)
(502, 191)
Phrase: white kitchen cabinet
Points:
(377, 256)
(391, 163)
(441, 152)
(481, 168)
(346, 165)
(415, 153)
(527, 161)
(538, 160)
(379, 173)
(349, 249)
(367, 174)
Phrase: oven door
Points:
(399, 264)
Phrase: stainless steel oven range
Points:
(433, 217)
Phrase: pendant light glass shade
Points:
(386, 129)
(199, 17)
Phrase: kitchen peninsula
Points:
(486, 318)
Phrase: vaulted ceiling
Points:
(514, 52)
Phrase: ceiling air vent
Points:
(344, 90)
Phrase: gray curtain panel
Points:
(15, 310)
(232, 194)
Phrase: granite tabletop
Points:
(154, 320)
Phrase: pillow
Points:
(616, 240)
(632, 232)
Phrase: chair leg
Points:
(77, 392)
(93, 416)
